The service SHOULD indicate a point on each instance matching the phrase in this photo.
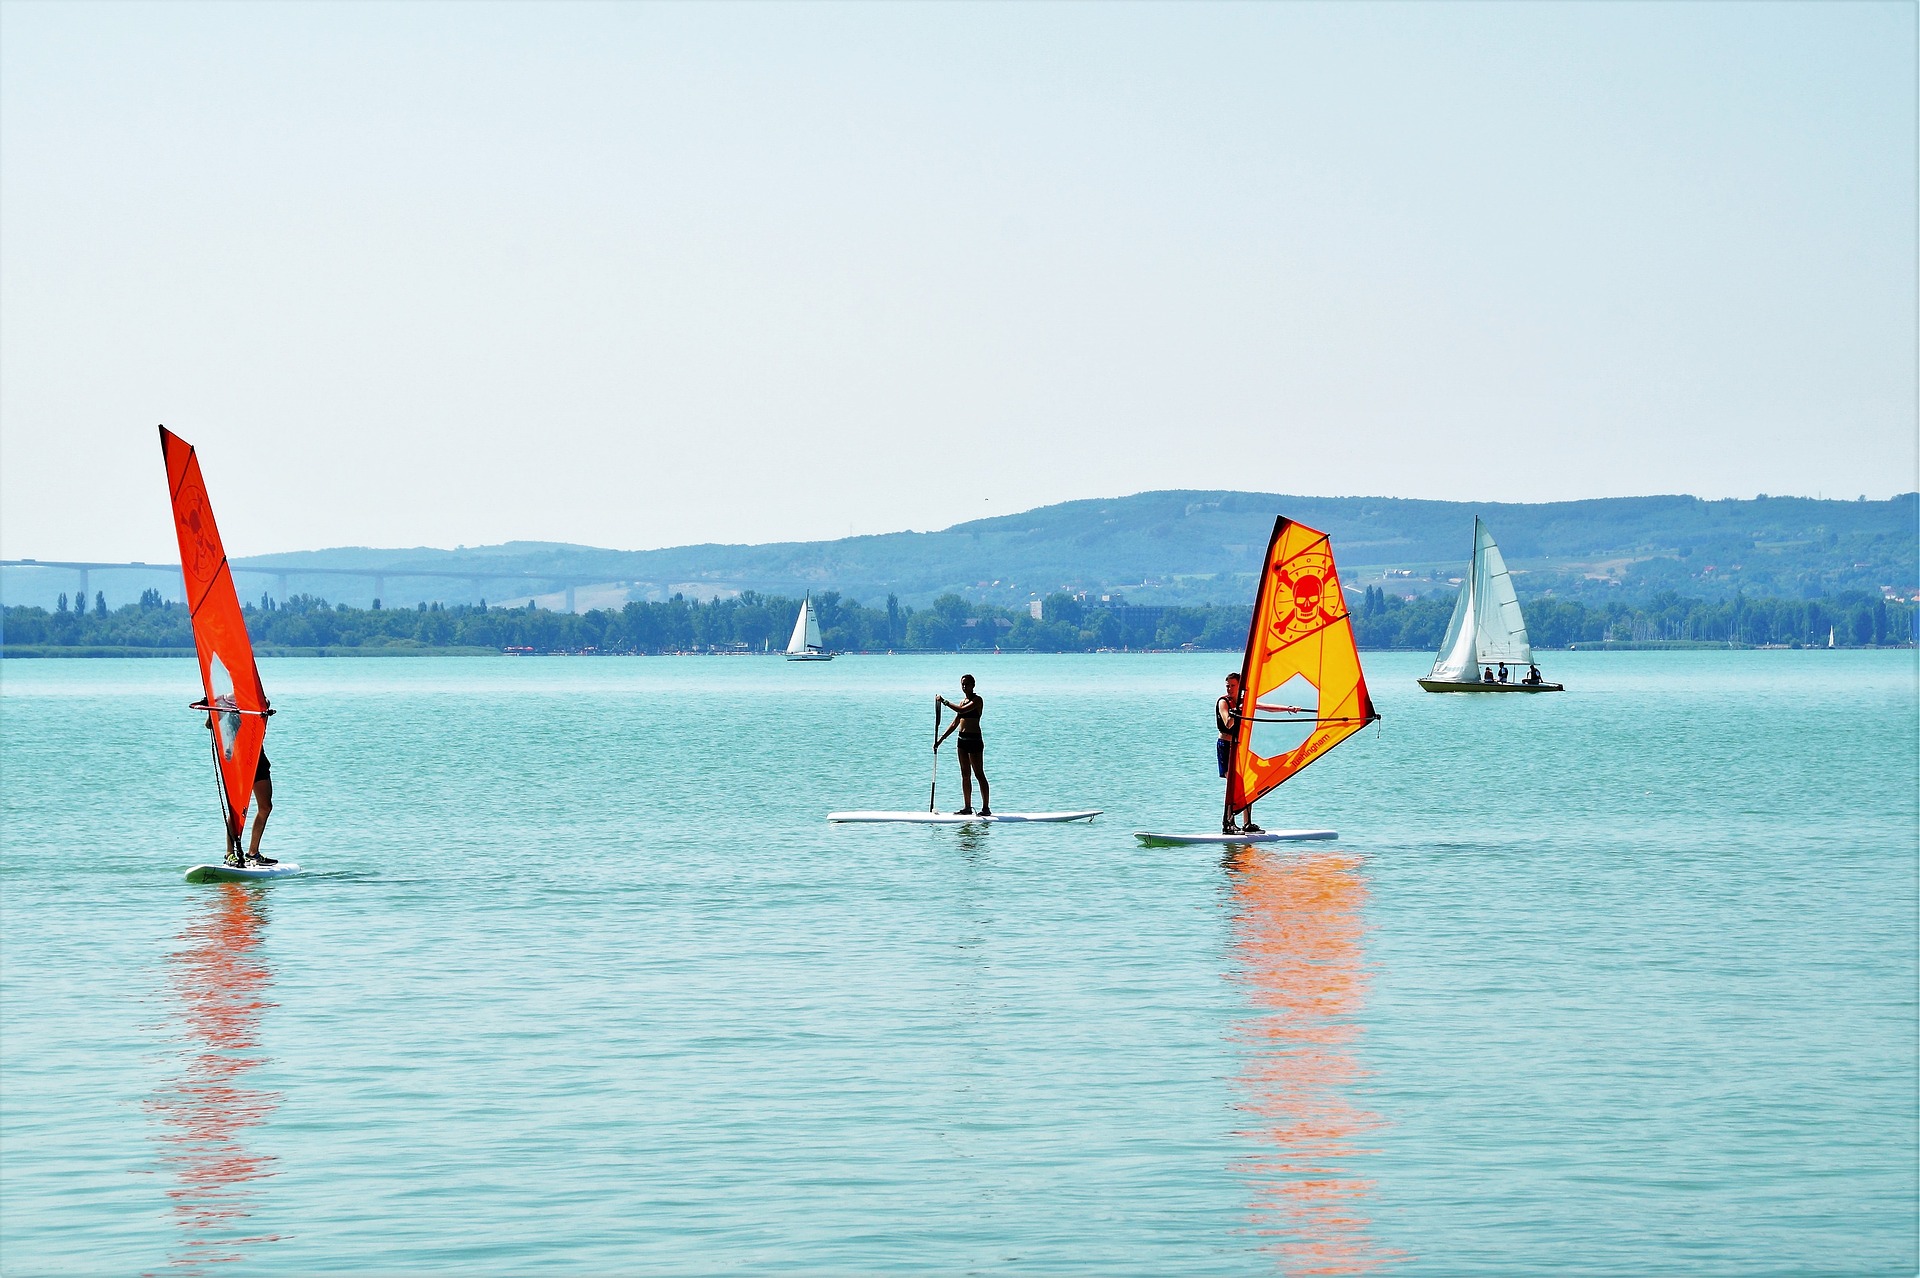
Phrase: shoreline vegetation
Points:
(753, 624)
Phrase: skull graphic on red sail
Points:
(196, 519)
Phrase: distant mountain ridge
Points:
(1192, 546)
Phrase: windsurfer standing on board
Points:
(970, 747)
(263, 799)
(1226, 717)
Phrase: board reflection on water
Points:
(219, 986)
(1298, 933)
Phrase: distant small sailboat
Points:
(1829, 636)
(1486, 630)
(805, 644)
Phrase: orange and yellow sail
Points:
(234, 696)
(1303, 691)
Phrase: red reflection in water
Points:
(202, 1114)
(1297, 942)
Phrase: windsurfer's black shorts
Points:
(263, 772)
(1223, 751)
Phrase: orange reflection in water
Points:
(203, 1113)
(1297, 946)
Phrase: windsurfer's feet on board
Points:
(971, 747)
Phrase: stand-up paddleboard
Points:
(235, 705)
(232, 874)
(1301, 688)
(931, 817)
(1269, 836)
(947, 818)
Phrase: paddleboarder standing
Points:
(1226, 718)
(970, 747)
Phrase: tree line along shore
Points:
(751, 622)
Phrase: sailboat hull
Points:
(1441, 685)
(809, 656)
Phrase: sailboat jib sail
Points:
(1486, 628)
(228, 675)
(805, 644)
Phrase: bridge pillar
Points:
(83, 590)
(379, 588)
(281, 581)
(569, 597)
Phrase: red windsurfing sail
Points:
(1302, 689)
(227, 672)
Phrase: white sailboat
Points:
(805, 644)
(1487, 630)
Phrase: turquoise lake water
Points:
(581, 981)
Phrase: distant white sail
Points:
(806, 631)
(1458, 662)
(1502, 632)
(1486, 627)
(805, 644)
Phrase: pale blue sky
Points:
(638, 275)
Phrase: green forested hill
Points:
(1197, 546)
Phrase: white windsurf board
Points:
(947, 818)
(1269, 836)
(233, 874)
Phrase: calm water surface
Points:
(1616, 981)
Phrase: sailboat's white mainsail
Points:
(1486, 626)
(806, 631)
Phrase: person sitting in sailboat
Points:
(1533, 675)
(1503, 673)
(1486, 676)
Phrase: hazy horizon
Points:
(650, 276)
(887, 532)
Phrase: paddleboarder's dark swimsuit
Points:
(970, 746)
(968, 713)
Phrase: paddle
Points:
(936, 753)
